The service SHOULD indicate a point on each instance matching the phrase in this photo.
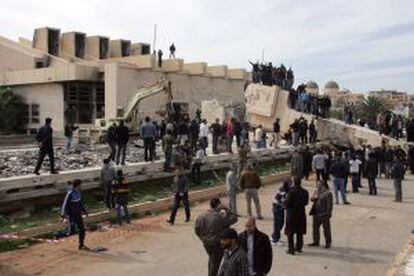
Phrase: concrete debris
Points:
(23, 162)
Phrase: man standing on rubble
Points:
(111, 140)
(148, 133)
(45, 139)
(122, 137)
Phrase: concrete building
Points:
(76, 78)
(393, 97)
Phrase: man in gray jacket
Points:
(108, 174)
(208, 228)
(148, 133)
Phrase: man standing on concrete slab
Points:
(148, 133)
(108, 174)
(232, 188)
(45, 139)
(122, 137)
(72, 211)
(322, 211)
(172, 51)
(397, 174)
(208, 228)
(159, 54)
(257, 246)
(235, 260)
(250, 181)
(180, 189)
(111, 140)
(296, 201)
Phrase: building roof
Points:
(331, 85)
(312, 85)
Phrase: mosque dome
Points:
(312, 85)
(331, 85)
(345, 91)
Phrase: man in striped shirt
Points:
(235, 260)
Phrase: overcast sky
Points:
(362, 44)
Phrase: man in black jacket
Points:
(216, 132)
(111, 140)
(257, 246)
(45, 139)
(122, 137)
(296, 201)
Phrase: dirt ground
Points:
(366, 237)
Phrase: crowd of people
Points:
(303, 101)
(267, 74)
(185, 143)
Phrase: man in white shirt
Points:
(258, 135)
(354, 167)
(319, 163)
(198, 162)
(203, 134)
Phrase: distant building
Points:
(393, 97)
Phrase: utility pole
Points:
(154, 39)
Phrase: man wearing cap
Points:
(209, 226)
(235, 260)
(45, 139)
(72, 211)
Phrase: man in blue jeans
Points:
(339, 171)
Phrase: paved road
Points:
(367, 236)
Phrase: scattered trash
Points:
(139, 251)
(99, 249)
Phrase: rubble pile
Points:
(23, 162)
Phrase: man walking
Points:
(208, 228)
(45, 139)
(235, 260)
(398, 173)
(322, 211)
(250, 181)
(296, 200)
(257, 246)
(180, 189)
(72, 211)
(122, 137)
(148, 133)
(108, 174)
(121, 190)
(232, 188)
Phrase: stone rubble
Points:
(23, 162)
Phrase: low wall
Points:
(141, 209)
(16, 191)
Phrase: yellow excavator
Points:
(131, 115)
